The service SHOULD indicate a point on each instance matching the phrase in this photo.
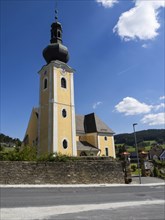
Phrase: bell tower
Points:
(56, 128)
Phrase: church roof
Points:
(80, 124)
(85, 146)
(91, 123)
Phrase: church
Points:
(53, 126)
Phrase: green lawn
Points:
(131, 149)
(136, 172)
(147, 148)
(8, 149)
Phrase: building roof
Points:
(80, 124)
(91, 123)
(155, 151)
(85, 146)
(162, 155)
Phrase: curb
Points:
(79, 185)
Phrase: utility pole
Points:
(138, 164)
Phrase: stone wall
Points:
(70, 172)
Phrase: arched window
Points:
(45, 83)
(83, 154)
(105, 138)
(63, 82)
(59, 34)
(65, 144)
(106, 151)
(64, 113)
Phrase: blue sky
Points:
(116, 47)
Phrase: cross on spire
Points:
(56, 12)
(56, 50)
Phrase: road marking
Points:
(40, 213)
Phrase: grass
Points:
(8, 149)
(163, 146)
(136, 172)
(131, 149)
(147, 148)
(151, 142)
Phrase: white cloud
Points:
(162, 97)
(125, 70)
(154, 119)
(144, 46)
(140, 22)
(95, 105)
(131, 106)
(157, 107)
(107, 3)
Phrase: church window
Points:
(83, 154)
(105, 138)
(45, 83)
(63, 82)
(59, 34)
(64, 113)
(106, 152)
(65, 144)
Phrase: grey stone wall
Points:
(76, 172)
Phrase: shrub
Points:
(57, 157)
(133, 167)
(25, 154)
(28, 153)
(156, 172)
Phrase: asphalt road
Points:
(84, 203)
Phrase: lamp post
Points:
(138, 165)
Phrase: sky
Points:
(116, 48)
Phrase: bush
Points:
(159, 166)
(156, 172)
(133, 168)
(55, 157)
(28, 153)
(25, 154)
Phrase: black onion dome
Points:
(56, 50)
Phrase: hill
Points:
(157, 135)
(9, 141)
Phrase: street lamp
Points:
(138, 165)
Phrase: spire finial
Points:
(56, 11)
(56, 50)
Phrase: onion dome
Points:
(56, 50)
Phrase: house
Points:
(162, 155)
(133, 157)
(157, 153)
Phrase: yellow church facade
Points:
(53, 126)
